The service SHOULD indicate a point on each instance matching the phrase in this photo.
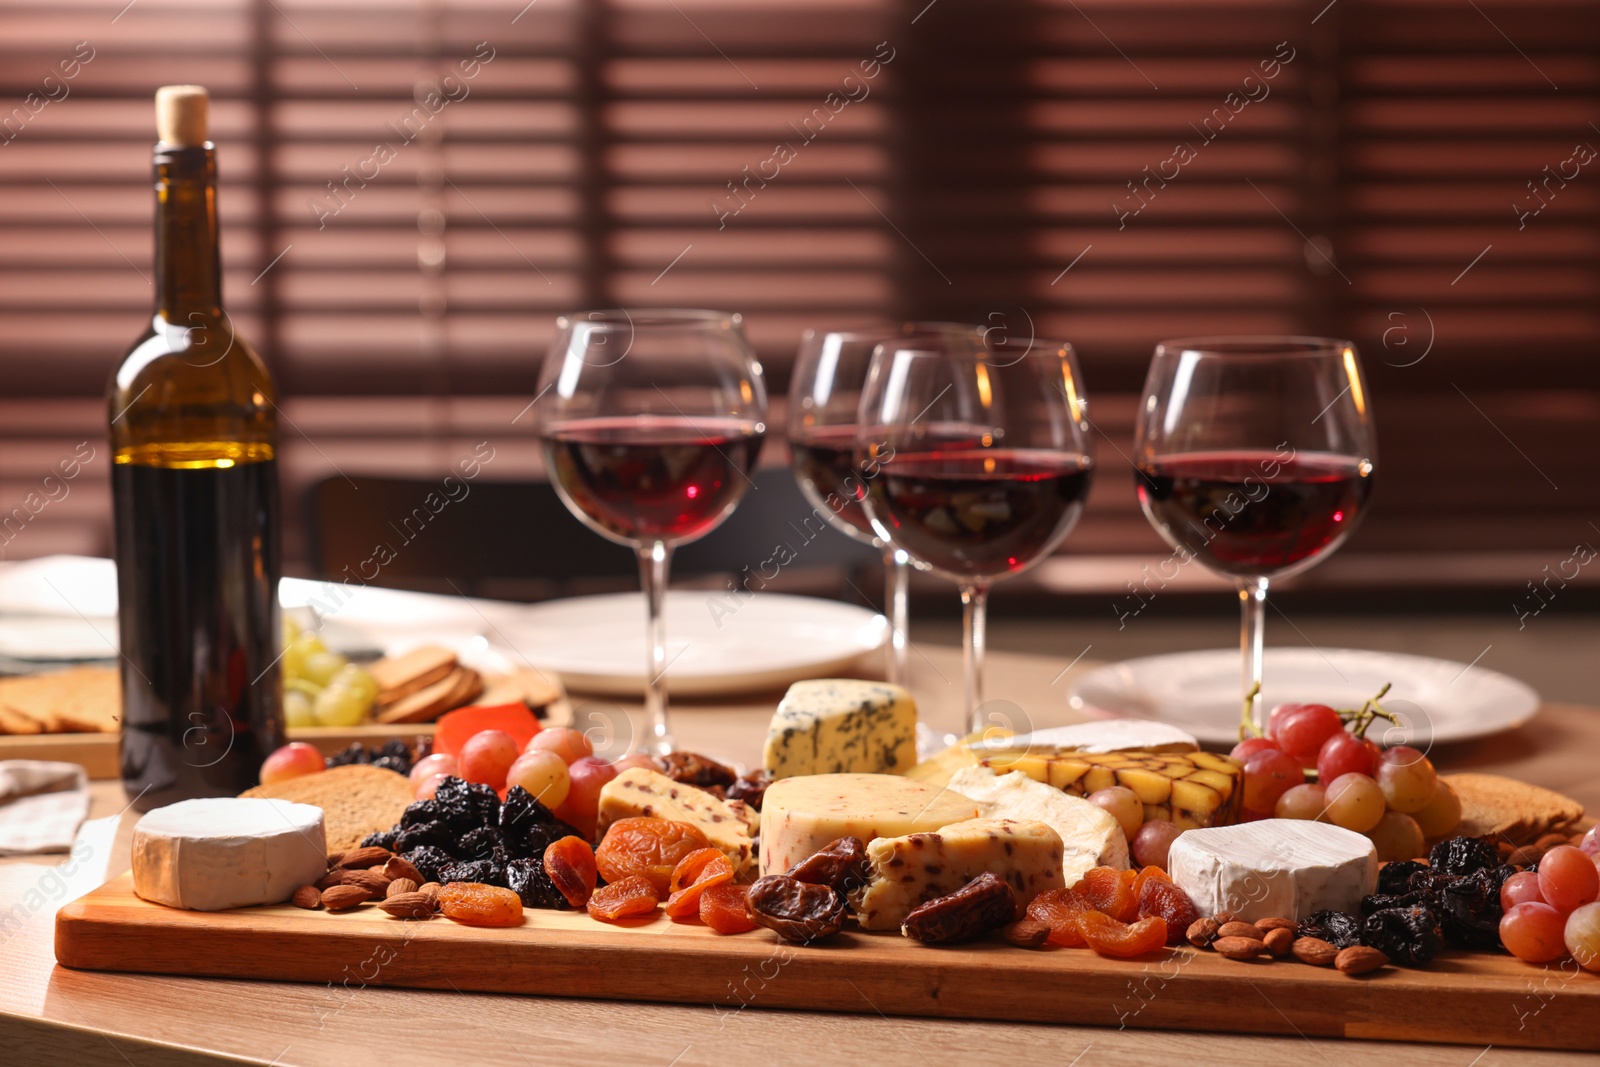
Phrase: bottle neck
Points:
(188, 262)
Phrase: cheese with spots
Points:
(802, 816)
(640, 792)
(912, 870)
(840, 726)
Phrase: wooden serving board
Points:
(1461, 999)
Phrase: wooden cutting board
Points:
(1461, 999)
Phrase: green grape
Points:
(357, 679)
(297, 710)
(338, 706)
(291, 630)
(322, 666)
(309, 642)
(300, 685)
(293, 663)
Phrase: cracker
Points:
(427, 704)
(81, 699)
(526, 685)
(1502, 807)
(400, 676)
(15, 722)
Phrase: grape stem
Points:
(1362, 717)
(1247, 726)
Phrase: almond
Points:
(362, 858)
(409, 906)
(1359, 959)
(331, 879)
(1279, 941)
(344, 897)
(398, 886)
(1202, 932)
(432, 889)
(372, 881)
(1266, 926)
(1239, 929)
(1314, 950)
(1224, 917)
(1026, 933)
(333, 859)
(400, 867)
(308, 897)
(1239, 948)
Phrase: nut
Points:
(399, 886)
(1359, 959)
(308, 897)
(1202, 932)
(331, 879)
(432, 889)
(1026, 933)
(1239, 929)
(1279, 941)
(1239, 948)
(344, 897)
(409, 906)
(1224, 917)
(362, 858)
(1550, 841)
(1314, 950)
(333, 859)
(1526, 856)
(1266, 926)
(373, 882)
(400, 867)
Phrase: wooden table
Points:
(52, 1015)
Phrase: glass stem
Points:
(654, 560)
(974, 616)
(1252, 630)
(897, 572)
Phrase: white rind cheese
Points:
(841, 726)
(912, 870)
(800, 816)
(639, 792)
(1096, 738)
(1287, 868)
(227, 852)
(1090, 836)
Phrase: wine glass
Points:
(824, 399)
(974, 453)
(1255, 456)
(651, 423)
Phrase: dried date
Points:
(796, 911)
(841, 866)
(983, 904)
(691, 768)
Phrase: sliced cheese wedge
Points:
(1090, 835)
(800, 816)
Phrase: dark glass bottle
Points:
(195, 488)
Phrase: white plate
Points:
(596, 643)
(1436, 700)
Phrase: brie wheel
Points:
(227, 852)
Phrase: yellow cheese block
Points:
(640, 792)
(1192, 789)
(803, 815)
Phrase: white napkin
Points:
(42, 804)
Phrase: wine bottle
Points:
(195, 492)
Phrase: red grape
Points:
(437, 763)
(587, 776)
(1355, 802)
(1250, 746)
(1277, 715)
(542, 773)
(291, 761)
(1591, 842)
(1267, 776)
(1407, 779)
(571, 745)
(1151, 843)
(1520, 888)
(1568, 878)
(430, 785)
(486, 757)
(1534, 932)
(1345, 753)
(1583, 936)
(1302, 732)
(1302, 802)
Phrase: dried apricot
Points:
(632, 896)
(1160, 897)
(476, 904)
(1109, 890)
(1109, 937)
(648, 847)
(692, 877)
(1147, 875)
(722, 908)
(569, 861)
(1059, 909)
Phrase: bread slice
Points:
(355, 800)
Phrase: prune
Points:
(455, 805)
(354, 752)
(1334, 927)
(395, 755)
(750, 788)
(1381, 901)
(381, 838)
(420, 811)
(691, 768)
(1463, 855)
(436, 834)
(983, 904)
(480, 843)
(1395, 878)
(534, 885)
(429, 860)
(527, 826)
(1469, 909)
(482, 872)
(485, 803)
(842, 866)
(1406, 935)
(797, 911)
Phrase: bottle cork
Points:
(181, 114)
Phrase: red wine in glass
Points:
(648, 478)
(980, 513)
(824, 460)
(1255, 512)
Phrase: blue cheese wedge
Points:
(1274, 867)
(842, 726)
(1090, 836)
(639, 792)
(912, 870)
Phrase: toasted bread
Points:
(355, 800)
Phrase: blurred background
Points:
(411, 192)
